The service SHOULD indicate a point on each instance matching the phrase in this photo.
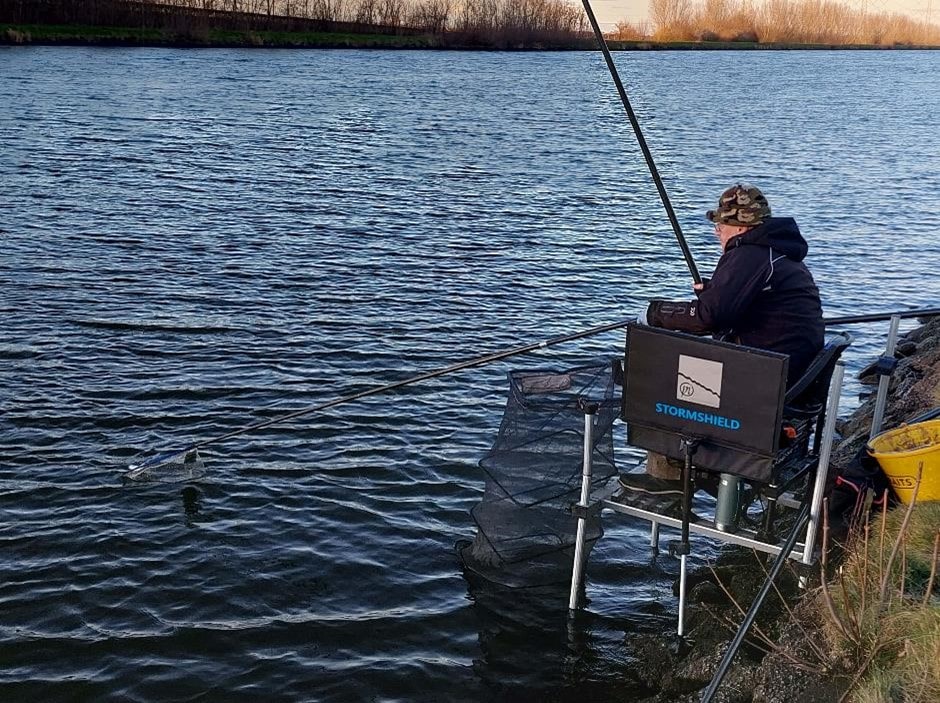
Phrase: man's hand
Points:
(679, 315)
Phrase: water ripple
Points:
(197, 241)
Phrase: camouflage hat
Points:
(741, 205)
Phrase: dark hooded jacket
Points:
(760, 295)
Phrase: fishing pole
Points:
(169, 457)
(654, 172)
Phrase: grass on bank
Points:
(93, 35)
(871, 632)
(880, 615)
(131, 36)
(729, 45)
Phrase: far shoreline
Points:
(83, 35)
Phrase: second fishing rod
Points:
(175, 455)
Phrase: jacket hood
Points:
(778, 233)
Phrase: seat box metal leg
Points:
(822, 471)
(577, 571)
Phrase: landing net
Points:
(526, 531)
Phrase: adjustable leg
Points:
(682, 549)
(683, 571)
(822, 471)
(767, 532)
(590, 410)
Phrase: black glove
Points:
(681, 315)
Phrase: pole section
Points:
(779, 561)
(654, 172)
(881, 316)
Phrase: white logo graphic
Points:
(699, 381)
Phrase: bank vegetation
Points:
(442, 23)
(487, 24)
(793, 22)
(881, 614)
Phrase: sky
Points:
(609, 12)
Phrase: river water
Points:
(191, 236)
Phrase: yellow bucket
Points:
(902, 451)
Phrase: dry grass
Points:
(875, 625)
(881, 614)
(912, 675)
(428, 15)
(630, 31)
(785, 21)
(14, 36)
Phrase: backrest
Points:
(804, 410)
(808, 395)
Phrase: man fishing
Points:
(761, 294)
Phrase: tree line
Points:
(497, 23)
(777, 21)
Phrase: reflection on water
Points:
(190, 498)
